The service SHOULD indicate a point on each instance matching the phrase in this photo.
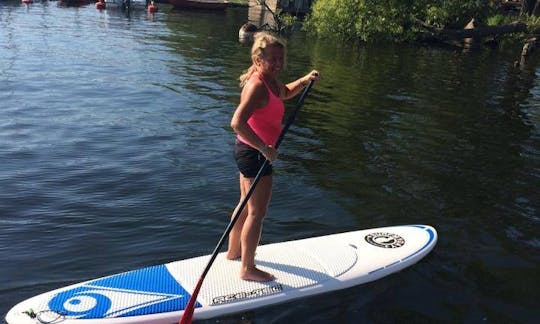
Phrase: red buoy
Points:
(101, 5)
(27, 1)
(152, 7)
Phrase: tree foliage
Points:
(396, 20)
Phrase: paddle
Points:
(188, 311)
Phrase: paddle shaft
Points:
(188, 311)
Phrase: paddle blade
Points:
(187, 317)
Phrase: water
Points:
(115, 153)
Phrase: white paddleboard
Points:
(306, 267)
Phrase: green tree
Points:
(396, 20)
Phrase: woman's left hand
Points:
(311, 76)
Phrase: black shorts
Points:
(249, 160)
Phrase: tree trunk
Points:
(530, 7)
(526, 51)
(478, 32)
(536, 11)
(526, 7)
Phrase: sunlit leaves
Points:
(394, 20)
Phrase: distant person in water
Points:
(257, 123)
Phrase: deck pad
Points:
(293, 265)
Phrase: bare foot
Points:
(254, 274)
(233, 256)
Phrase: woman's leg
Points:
(234, 250)
(257, 207)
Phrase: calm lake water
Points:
(115, 153)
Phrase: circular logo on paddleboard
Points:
(385, 240)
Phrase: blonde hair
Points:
(261, 41)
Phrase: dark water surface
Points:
(115, 153)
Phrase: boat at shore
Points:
(200, 4)
(74, 3)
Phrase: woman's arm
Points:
(292, 89)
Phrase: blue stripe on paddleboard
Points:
(140, 292)
(431, 238)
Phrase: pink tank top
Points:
(266, 121)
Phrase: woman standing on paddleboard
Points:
(257, 123)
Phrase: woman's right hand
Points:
(269, 152)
